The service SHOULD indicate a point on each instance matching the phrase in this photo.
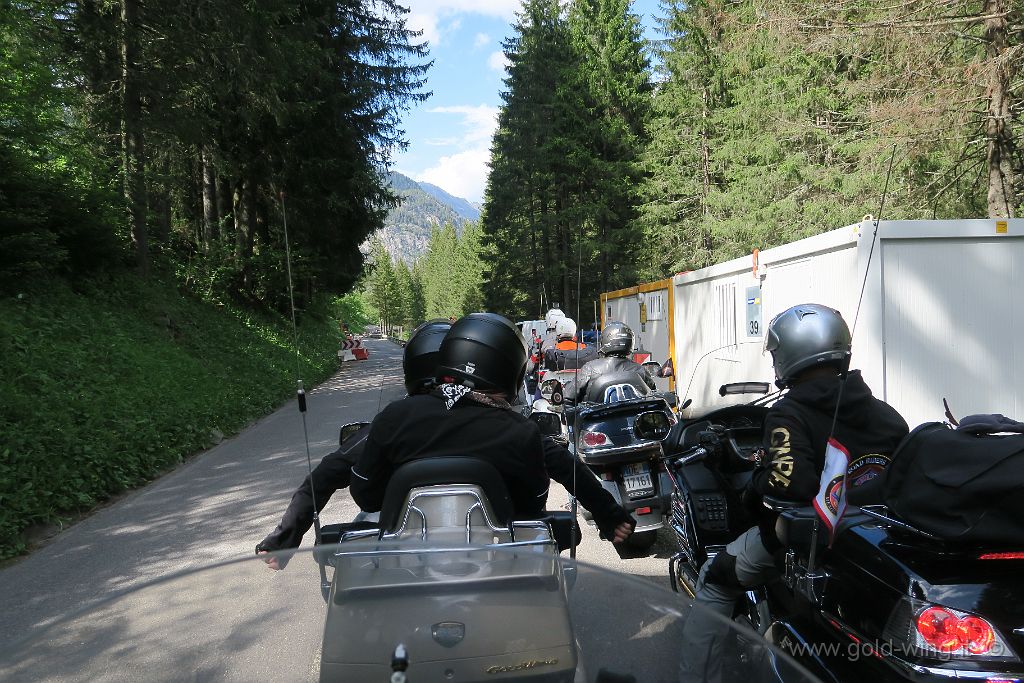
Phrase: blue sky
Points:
(450, 133)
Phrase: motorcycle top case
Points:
(958, 486)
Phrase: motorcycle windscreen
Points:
(456, 614)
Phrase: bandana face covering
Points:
(453, 393)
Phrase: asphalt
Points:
(215, 508)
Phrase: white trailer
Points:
(648, 309)
(942, 314)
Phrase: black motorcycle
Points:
(617, 432)
(887, 602)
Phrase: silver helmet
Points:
(616, 339)
(804, 336)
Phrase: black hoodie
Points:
(798, 427)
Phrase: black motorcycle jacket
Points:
(333, 473)
(607, 365)
(423, 426)
(568, 359)
(797, 430)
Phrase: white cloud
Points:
(427, 23)
(479, 122)
(481, 39)
(426, 15)
(498, 61)
(463, 174)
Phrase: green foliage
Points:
(563, 178)
(773, 122)
(105, 386)
(355, 310)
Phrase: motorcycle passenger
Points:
(616, 347)
(567, 353)
(419, 362)
(551, 319)
(481, 364)
(810, 346)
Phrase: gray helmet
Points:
(804, 336)
(616, 339)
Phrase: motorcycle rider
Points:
(810, 346)
(616, 347)
(481, 364)
(551, 319)
(419, 362)
(567, 353)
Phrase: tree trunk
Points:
(132, 142)
(239, 211)
(224, 203)
(251, 225)
(563, 231)
(535, 281)
(210, 218)
(1001, 199)
(705, 156)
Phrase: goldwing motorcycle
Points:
(887, 601)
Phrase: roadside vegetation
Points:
(108, 383)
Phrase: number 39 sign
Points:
(753, 311)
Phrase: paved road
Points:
(215, 508)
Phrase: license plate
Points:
(637, 479)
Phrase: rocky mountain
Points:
(462, 207)
(406, 232)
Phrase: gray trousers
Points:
(709, 622)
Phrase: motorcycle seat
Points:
(439, 471)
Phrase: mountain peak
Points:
(407, 229)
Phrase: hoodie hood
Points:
(822, 394)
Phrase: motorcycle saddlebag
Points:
(959, 486)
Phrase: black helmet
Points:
(805, 336)
(616, 339)
(419, 360)
(484, 351)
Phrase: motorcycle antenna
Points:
(811, 560)
(301, 391)
(573, 503)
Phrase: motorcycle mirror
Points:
(686, 404)
(744, 388)
(347, 431)
(549, 423)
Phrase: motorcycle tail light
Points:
(936, 632)
(592, 439)
(940, 629)
(1001, 556)
(976, 634)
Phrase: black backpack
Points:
(959, 486)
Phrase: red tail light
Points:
(939, 629)
(976, 634)
(592, 439)
(1002, 556)
(946, 632)
(643, 511)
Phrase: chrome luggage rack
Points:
(452, 490)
